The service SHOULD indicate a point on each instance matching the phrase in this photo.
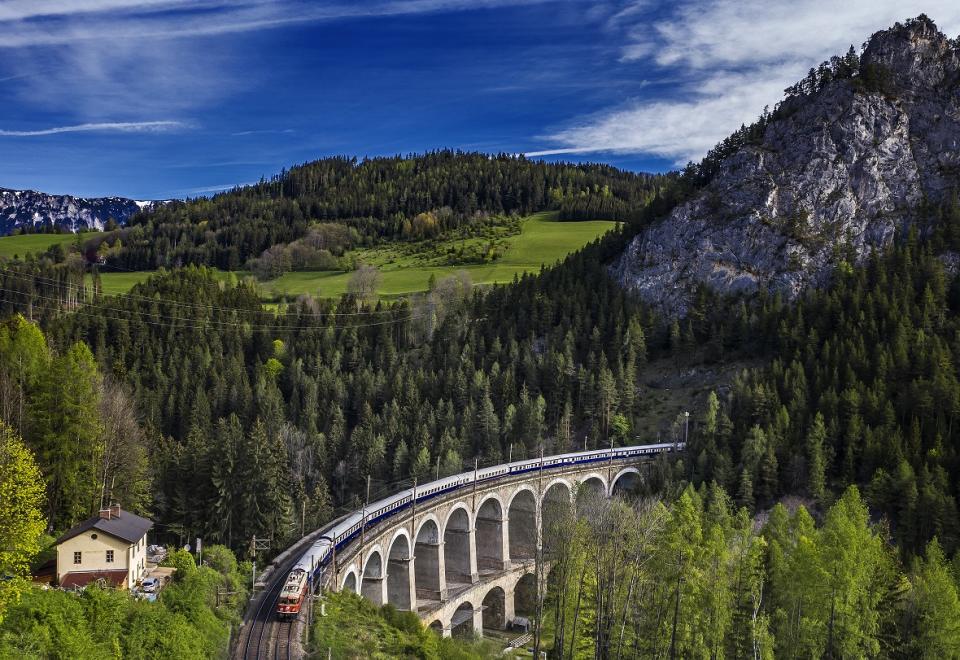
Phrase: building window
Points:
(77, 557)
(109, 556)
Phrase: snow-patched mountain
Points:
(850, 158)
(21, 208)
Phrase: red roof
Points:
(114, 578)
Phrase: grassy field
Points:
(542, 241)
(29, 243)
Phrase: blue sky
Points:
(172, 98)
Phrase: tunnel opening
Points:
(398, 573)
(436, 627)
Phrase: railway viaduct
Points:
(466, 562)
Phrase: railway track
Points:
(263, 629)
(264, 636)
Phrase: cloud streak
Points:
(84, 20)
(733, 57)
(99, 127)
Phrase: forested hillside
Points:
(699, 578)
(375, 199)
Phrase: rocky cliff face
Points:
(19, 208)
(843, 165)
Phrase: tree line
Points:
(699, 577)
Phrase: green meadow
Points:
(25, 244)
(542, 241)
(405, 268)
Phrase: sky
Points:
(155, 99)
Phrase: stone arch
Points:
(373, 576)
(494, 609)
(525, 596)
(461, 623)
(427, 519)
(398, 570)
(626, 482)
(489, 533)
(427, 566)
(436, 626)
(555, 511)
(522, 513)
(350, 581)
(456, 546)
(590, 488)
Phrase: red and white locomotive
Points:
(292, 595)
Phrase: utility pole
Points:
(363, 522)
(413, 516)
(438, 466)
(510, 455)
(303, 518)
(538, 562)
(686, 427)
(262, 544)
(253, 577)
(474, 493)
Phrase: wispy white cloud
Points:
(99, 127)
(212, 189)
(82, 20)
(263, 131)
(734, 57)
(144, 57)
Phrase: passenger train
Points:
(318, 555)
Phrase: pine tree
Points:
(816, 464)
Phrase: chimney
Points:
(115, 510)
(105, 513)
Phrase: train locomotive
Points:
(293, 594)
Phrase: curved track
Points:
(264, 631)
(263, 635)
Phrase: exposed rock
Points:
(843, 166)
(19, 208)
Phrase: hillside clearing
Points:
(543, 240)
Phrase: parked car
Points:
(150, 585)
(156, 553)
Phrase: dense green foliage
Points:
(863, 389)
(355, 628)
(79, 426)
(184, 623)
(378, 198)
(698, 579)
(21, 516)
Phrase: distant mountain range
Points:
(29, 208)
